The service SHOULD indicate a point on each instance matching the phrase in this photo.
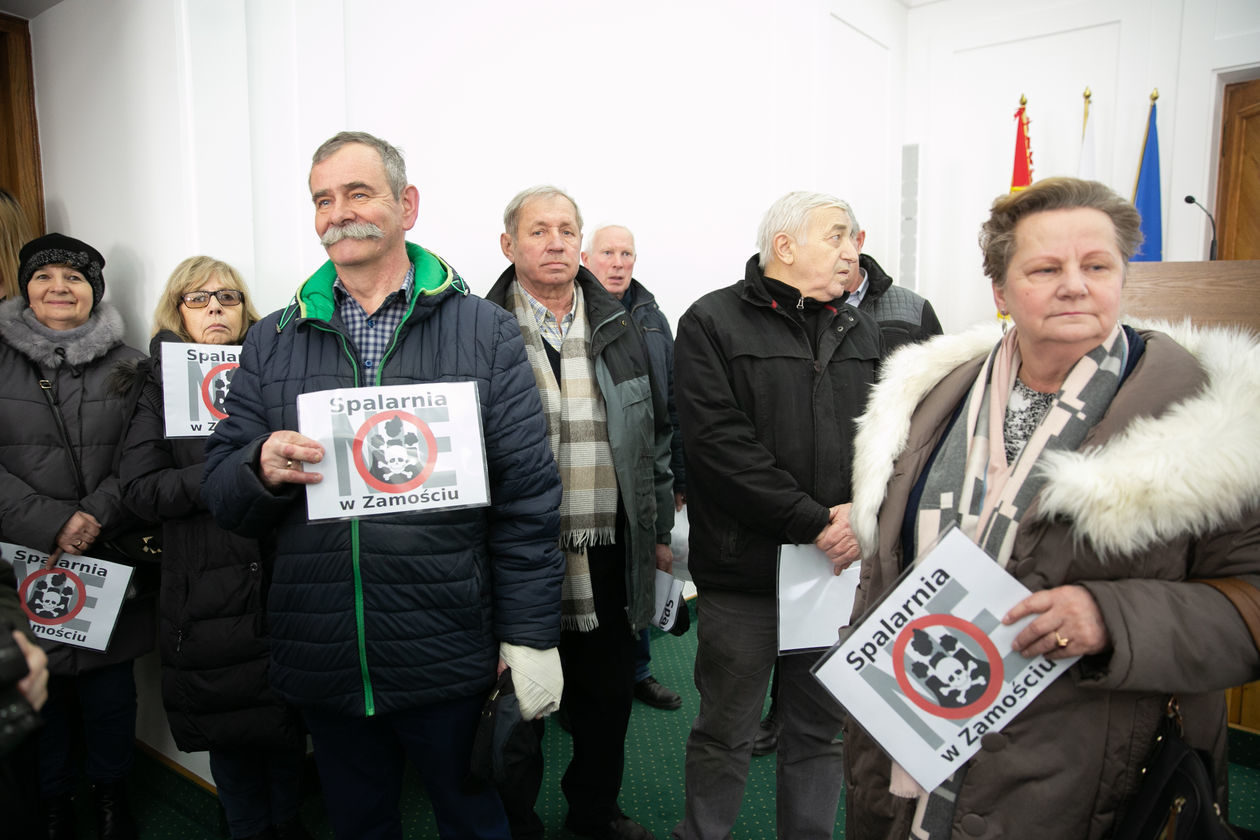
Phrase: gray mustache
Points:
(350, 230)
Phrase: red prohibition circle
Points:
(79, 589)
(371, 423)
(205, 387)
(911, 691)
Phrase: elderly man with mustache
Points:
(388, 631)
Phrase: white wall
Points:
(173, 127)
(969, 62)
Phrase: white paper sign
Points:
(814, 603)
(395, 448)
(669, 600)
(930, 669)
(76, 602)
(196, 379)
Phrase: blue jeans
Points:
(105, 700)
(360, 763)
(643, 655)
(257, 790)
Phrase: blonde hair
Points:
(189, 276)
(15, 231)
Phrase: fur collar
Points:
(1195, 468)
(102, 332)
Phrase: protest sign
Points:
(395, 448)
(75, 602)
(196, 379)
(929, 669)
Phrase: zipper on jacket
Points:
(369, 702)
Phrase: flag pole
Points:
(1145, 136)
(1085, 121)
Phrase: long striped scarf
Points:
(971, 483)
(577, 429)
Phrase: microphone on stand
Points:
(1212, 248)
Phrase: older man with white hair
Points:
(610, 255)
(770, 375)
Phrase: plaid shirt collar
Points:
(553, 331)
(372, 333)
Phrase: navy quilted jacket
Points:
(396, 611)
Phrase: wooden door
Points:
(19, 139)
(1238, 181)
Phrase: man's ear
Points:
(585, 261)
(784, 248)
(411, 206)
(505, 244)
(860, 240)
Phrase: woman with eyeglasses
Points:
(212, 631)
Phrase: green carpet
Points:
(169, 806)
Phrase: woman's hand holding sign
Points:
(283, 454)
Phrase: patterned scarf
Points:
(577, 429)
(970, 483)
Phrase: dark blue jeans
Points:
(643, 655)
(360, 763)
(257, 790)
(105, 700)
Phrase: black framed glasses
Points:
(226, 297)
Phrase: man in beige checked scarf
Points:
(610, 434)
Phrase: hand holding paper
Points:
(1069, 624)
(837, 540)
(283, 454)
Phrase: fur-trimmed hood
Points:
(102, 332)
(1192, 469)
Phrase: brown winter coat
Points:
(1165, 488)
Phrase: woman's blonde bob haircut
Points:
(189, 276)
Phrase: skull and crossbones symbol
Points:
(395, 453)
(953, 674)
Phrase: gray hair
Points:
(790, 215)
(997, 234)
(512, 213)
(590, 237)
(391, 157)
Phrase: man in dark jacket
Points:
(609, 430)
(770, 374)
(610, 255)
(903, 316)
(386, 630)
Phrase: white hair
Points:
(589, 244)
(790, 215)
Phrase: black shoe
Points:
(654, 694)
(113, 814)
(767, 740)
(59, 817)
(619, 827)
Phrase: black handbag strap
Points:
(46, 386)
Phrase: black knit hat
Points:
(58, 249)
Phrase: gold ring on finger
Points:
(1059, 641)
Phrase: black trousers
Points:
(598, 694)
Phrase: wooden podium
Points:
(1222, 292)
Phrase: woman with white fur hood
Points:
(1104, 467)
